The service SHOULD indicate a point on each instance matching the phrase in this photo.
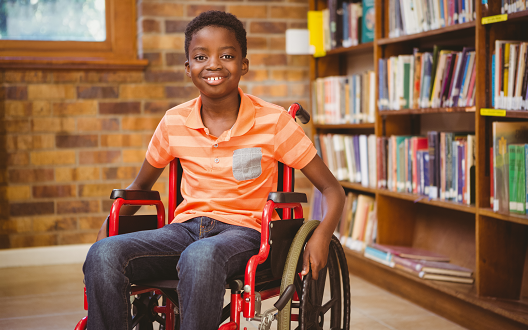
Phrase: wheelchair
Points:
(273, 272)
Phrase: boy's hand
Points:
(315, 254)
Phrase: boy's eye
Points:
(228, 56)
(199, 57)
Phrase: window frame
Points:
(118, 51)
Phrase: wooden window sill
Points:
(71, 63)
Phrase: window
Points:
(68, 34)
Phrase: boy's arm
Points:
(316, 251)
(147, 176)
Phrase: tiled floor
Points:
(50, 297)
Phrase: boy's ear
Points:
(245, 65)
(187, 69)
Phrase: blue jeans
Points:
(201, 252)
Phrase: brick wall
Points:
(71, 136)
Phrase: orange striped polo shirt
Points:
(228, 178)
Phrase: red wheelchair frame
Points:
(240, 303)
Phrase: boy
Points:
(228, 144)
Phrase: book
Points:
(377, 255)
(368, 21)
(364, 207)
(504, 134)
(411, 253)
(433, 267)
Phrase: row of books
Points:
(347, 23)
(409, 17)
(509, 156)
(441, 165)
(344, 99)
(349, 157)
(441, 78)
(510, 75)
(513, 6)
(421, 263)
(358, 224)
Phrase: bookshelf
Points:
(493, 244)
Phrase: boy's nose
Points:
(214, 64)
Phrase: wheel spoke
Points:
(331, 303)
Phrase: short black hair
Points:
(220, 19)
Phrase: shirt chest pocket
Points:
(247, 163)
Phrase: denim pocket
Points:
(247, 163)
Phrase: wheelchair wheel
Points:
(143, 315)
(324, 303)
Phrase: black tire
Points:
(313, 310)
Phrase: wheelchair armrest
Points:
(135, 194)
(287, 197)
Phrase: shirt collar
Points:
(244, 122)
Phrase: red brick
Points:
(30, 175)
(97, 190)
(121, 140)
(153, 58)
(267, 27)
(55, 124)
(54, 191)
(27, 76)
(77, 238)
(55, 157)
(267, 59)
(17, 108)
(166, 41)
(195, 10)
(96, 124)
(161, 9)
(121, 76)
(270, 90)
(150, 25)
(119, 108)
(97, 92)
(20, 241)
(290, 75)
(77, 108)
(16, 92)
(51, 91)
(41, 108)
(25, 209)
(91, 222)
(187, 92)
(291, 12)
(133, 155)
(54, 224)
(78, 206)
(142, 91)
(164, 76)
(123, 172)
(297, 25)
(17, 125)
(255, 75)
(45, 141)
(173, 26)
(15, 225)
(159, 106)
(278, 43)
(175, 59)
(67, 76)
(299, 60)
(17, 158)
(140, 124)
(64, 174)
(257, 43)
(249, 11)
(76, 141)
(99, 157)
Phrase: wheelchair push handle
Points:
(296, 110)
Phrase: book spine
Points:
(526, 177)
(521, 203)
(512, 152)
(460, 170)
(492, 183)
(433, 189)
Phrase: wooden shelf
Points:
(426, 111)
(345, 126)
(422, 35)
(358, 186)
(510, 17)
(517, 218)
(361, 48)
(443, 298)
(425, 200)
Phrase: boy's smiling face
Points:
(215, 62)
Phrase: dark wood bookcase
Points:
(493, 244)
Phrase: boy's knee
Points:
(199, 259)
(102, 254)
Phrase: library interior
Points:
(419, 108)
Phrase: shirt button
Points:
(215, 145)
(217, 160)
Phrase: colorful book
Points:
(377, 255)
(433, 267)
(411, 253)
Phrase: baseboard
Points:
(42, 256)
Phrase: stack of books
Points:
(441, 78)
(509, 71)
(343, 100)
(440, 165)
(513, 6)
(421, 263)
(349, 157)
(409, 17)
(509, 156)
